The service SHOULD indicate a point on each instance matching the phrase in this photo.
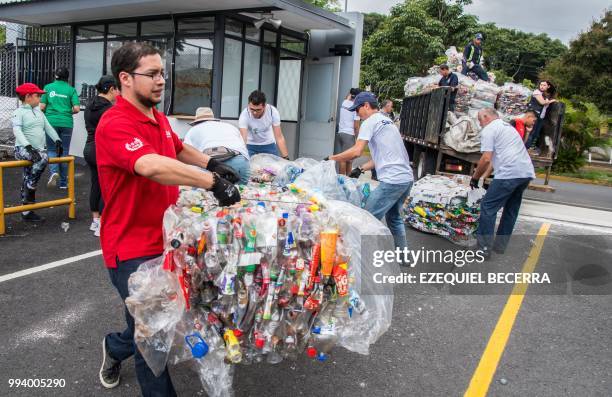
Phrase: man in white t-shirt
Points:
(260, 128)
(389, 158)
(221, 141)
(502, 147)
(348, 127)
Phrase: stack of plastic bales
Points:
(272, 278)
(465, 93)
(445, 206)
(453, 58)
(484, 95)
(421, 85)
(513, 99)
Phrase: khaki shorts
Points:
(343, 142)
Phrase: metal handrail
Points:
(69, 201)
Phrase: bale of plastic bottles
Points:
(273, 278)
(318, 178)
(513, 99)
(445, 206)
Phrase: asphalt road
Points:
(54, 321)
(578, 194)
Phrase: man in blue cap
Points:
(472, 55)
(389, 159)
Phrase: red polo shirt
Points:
(133, 205)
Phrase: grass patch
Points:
(595, 175)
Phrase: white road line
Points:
(48, 266)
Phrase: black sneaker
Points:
(110, 372)
(486, 253)
(31, 216)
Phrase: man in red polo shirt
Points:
(140, 163)
(524, 124)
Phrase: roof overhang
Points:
(295, 14)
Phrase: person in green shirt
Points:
(29, 127)
(59, 103)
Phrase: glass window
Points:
(192, 75)
(268, 74)
(111, 47)
(87, 69)
(156, 28)
(90, 32)
(166, 53)
(233, 27)
(200, 25)
(122, 30)
(293, 44)
(252, 33)
(269, 38)
(250, 73)
(230, 97)
(289, 88)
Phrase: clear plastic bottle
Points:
(281, 234)
(223, 232)
(324, 334)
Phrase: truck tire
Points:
(425, 163)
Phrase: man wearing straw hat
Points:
(221, 141)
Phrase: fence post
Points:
(72, 206)
(2, 227)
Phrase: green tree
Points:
(409, 40)
(371, 23)
(329, 5)
(2, 34)
(582, 129)
(585, 71)
(518, 54)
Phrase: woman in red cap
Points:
(29, 127)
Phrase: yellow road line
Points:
(481, 380)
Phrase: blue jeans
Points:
(535, 134)
(477, 69)
(242, 166)
(65, 134)
(507, 193)
(387, 200)
(121, 345)
(256, 149)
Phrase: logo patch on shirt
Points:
(168, 134)
(134, 145)
(53, 94)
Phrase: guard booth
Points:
(304, 58)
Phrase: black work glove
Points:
(34, 155)
(224, 191)
(224, 171)
(356, 173)
(59, 149)
(474, 183)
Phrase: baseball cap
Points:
(362, 98)
(479, 36)
(28, 88)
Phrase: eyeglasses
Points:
(153, 76)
